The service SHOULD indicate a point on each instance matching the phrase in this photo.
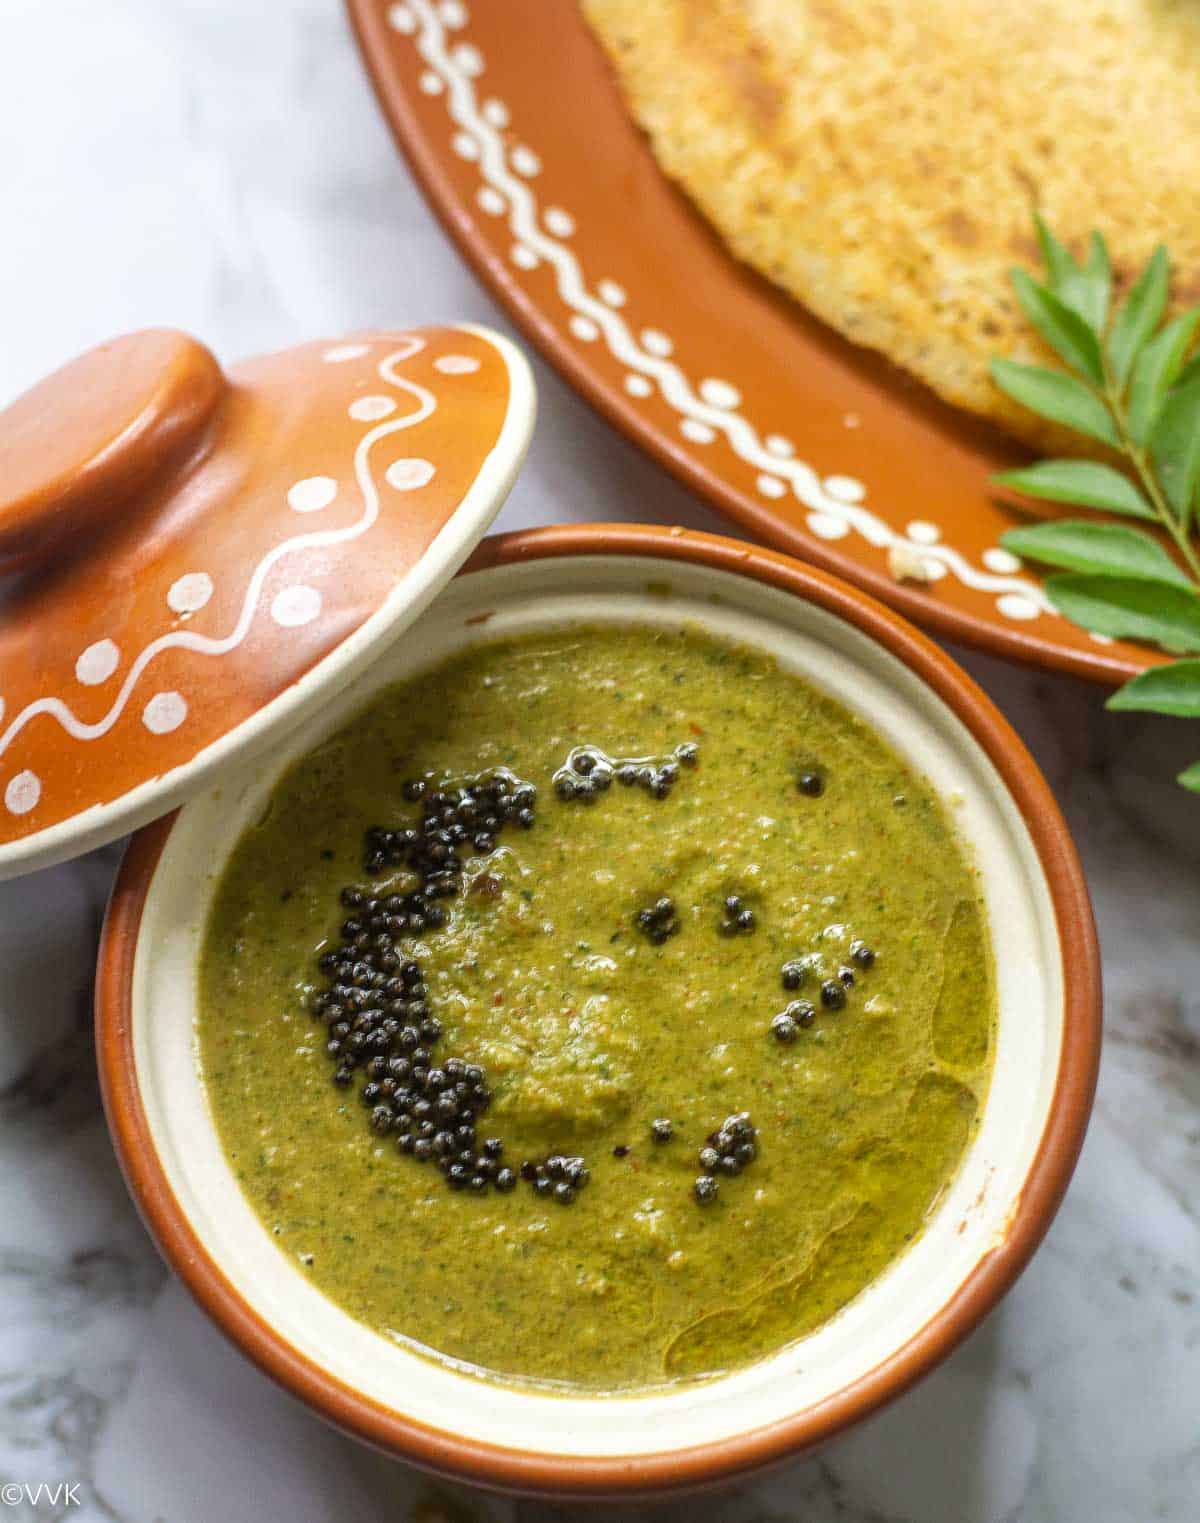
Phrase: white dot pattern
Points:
(312, 494)
(97, 663)
(456, 364)
(407, 475)
(845, 488)
(719, 393)
(165, 712)
(340, 353)
(825, 526)
(559, 222)
(189, 593)
(23, 792)
(1014, 605)
(295, 606)
(469, 59)
(1002, 562)
(370, 409)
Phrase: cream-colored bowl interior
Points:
(972, 1217)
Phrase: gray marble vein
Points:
(220, 166)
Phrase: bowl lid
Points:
(191, 561)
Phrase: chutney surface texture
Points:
(591, 1029)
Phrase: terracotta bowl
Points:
(985, 1228)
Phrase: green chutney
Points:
(590, 1030)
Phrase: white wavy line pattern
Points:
(426, 25)
(205, 645)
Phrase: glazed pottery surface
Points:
(191, 555)
(981, 1233)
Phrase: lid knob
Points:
(82, 444)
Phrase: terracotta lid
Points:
(190, 561)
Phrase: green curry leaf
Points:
(1190, 777)
(1136, 391)
(1156, 370)
(1085, 291)
(1172, 689)
(1063, 329)
(1139, 315)
(1126, 608)
(1175, 445)
(1056, 396)
(1101, 549)
(1085, 482)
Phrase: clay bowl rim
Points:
(678, 1470)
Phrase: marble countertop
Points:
(220, 166)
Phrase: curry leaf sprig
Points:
(1129, 385)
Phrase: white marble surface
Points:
(220, 165)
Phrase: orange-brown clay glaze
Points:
(182, 546)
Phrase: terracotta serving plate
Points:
(515, 129)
